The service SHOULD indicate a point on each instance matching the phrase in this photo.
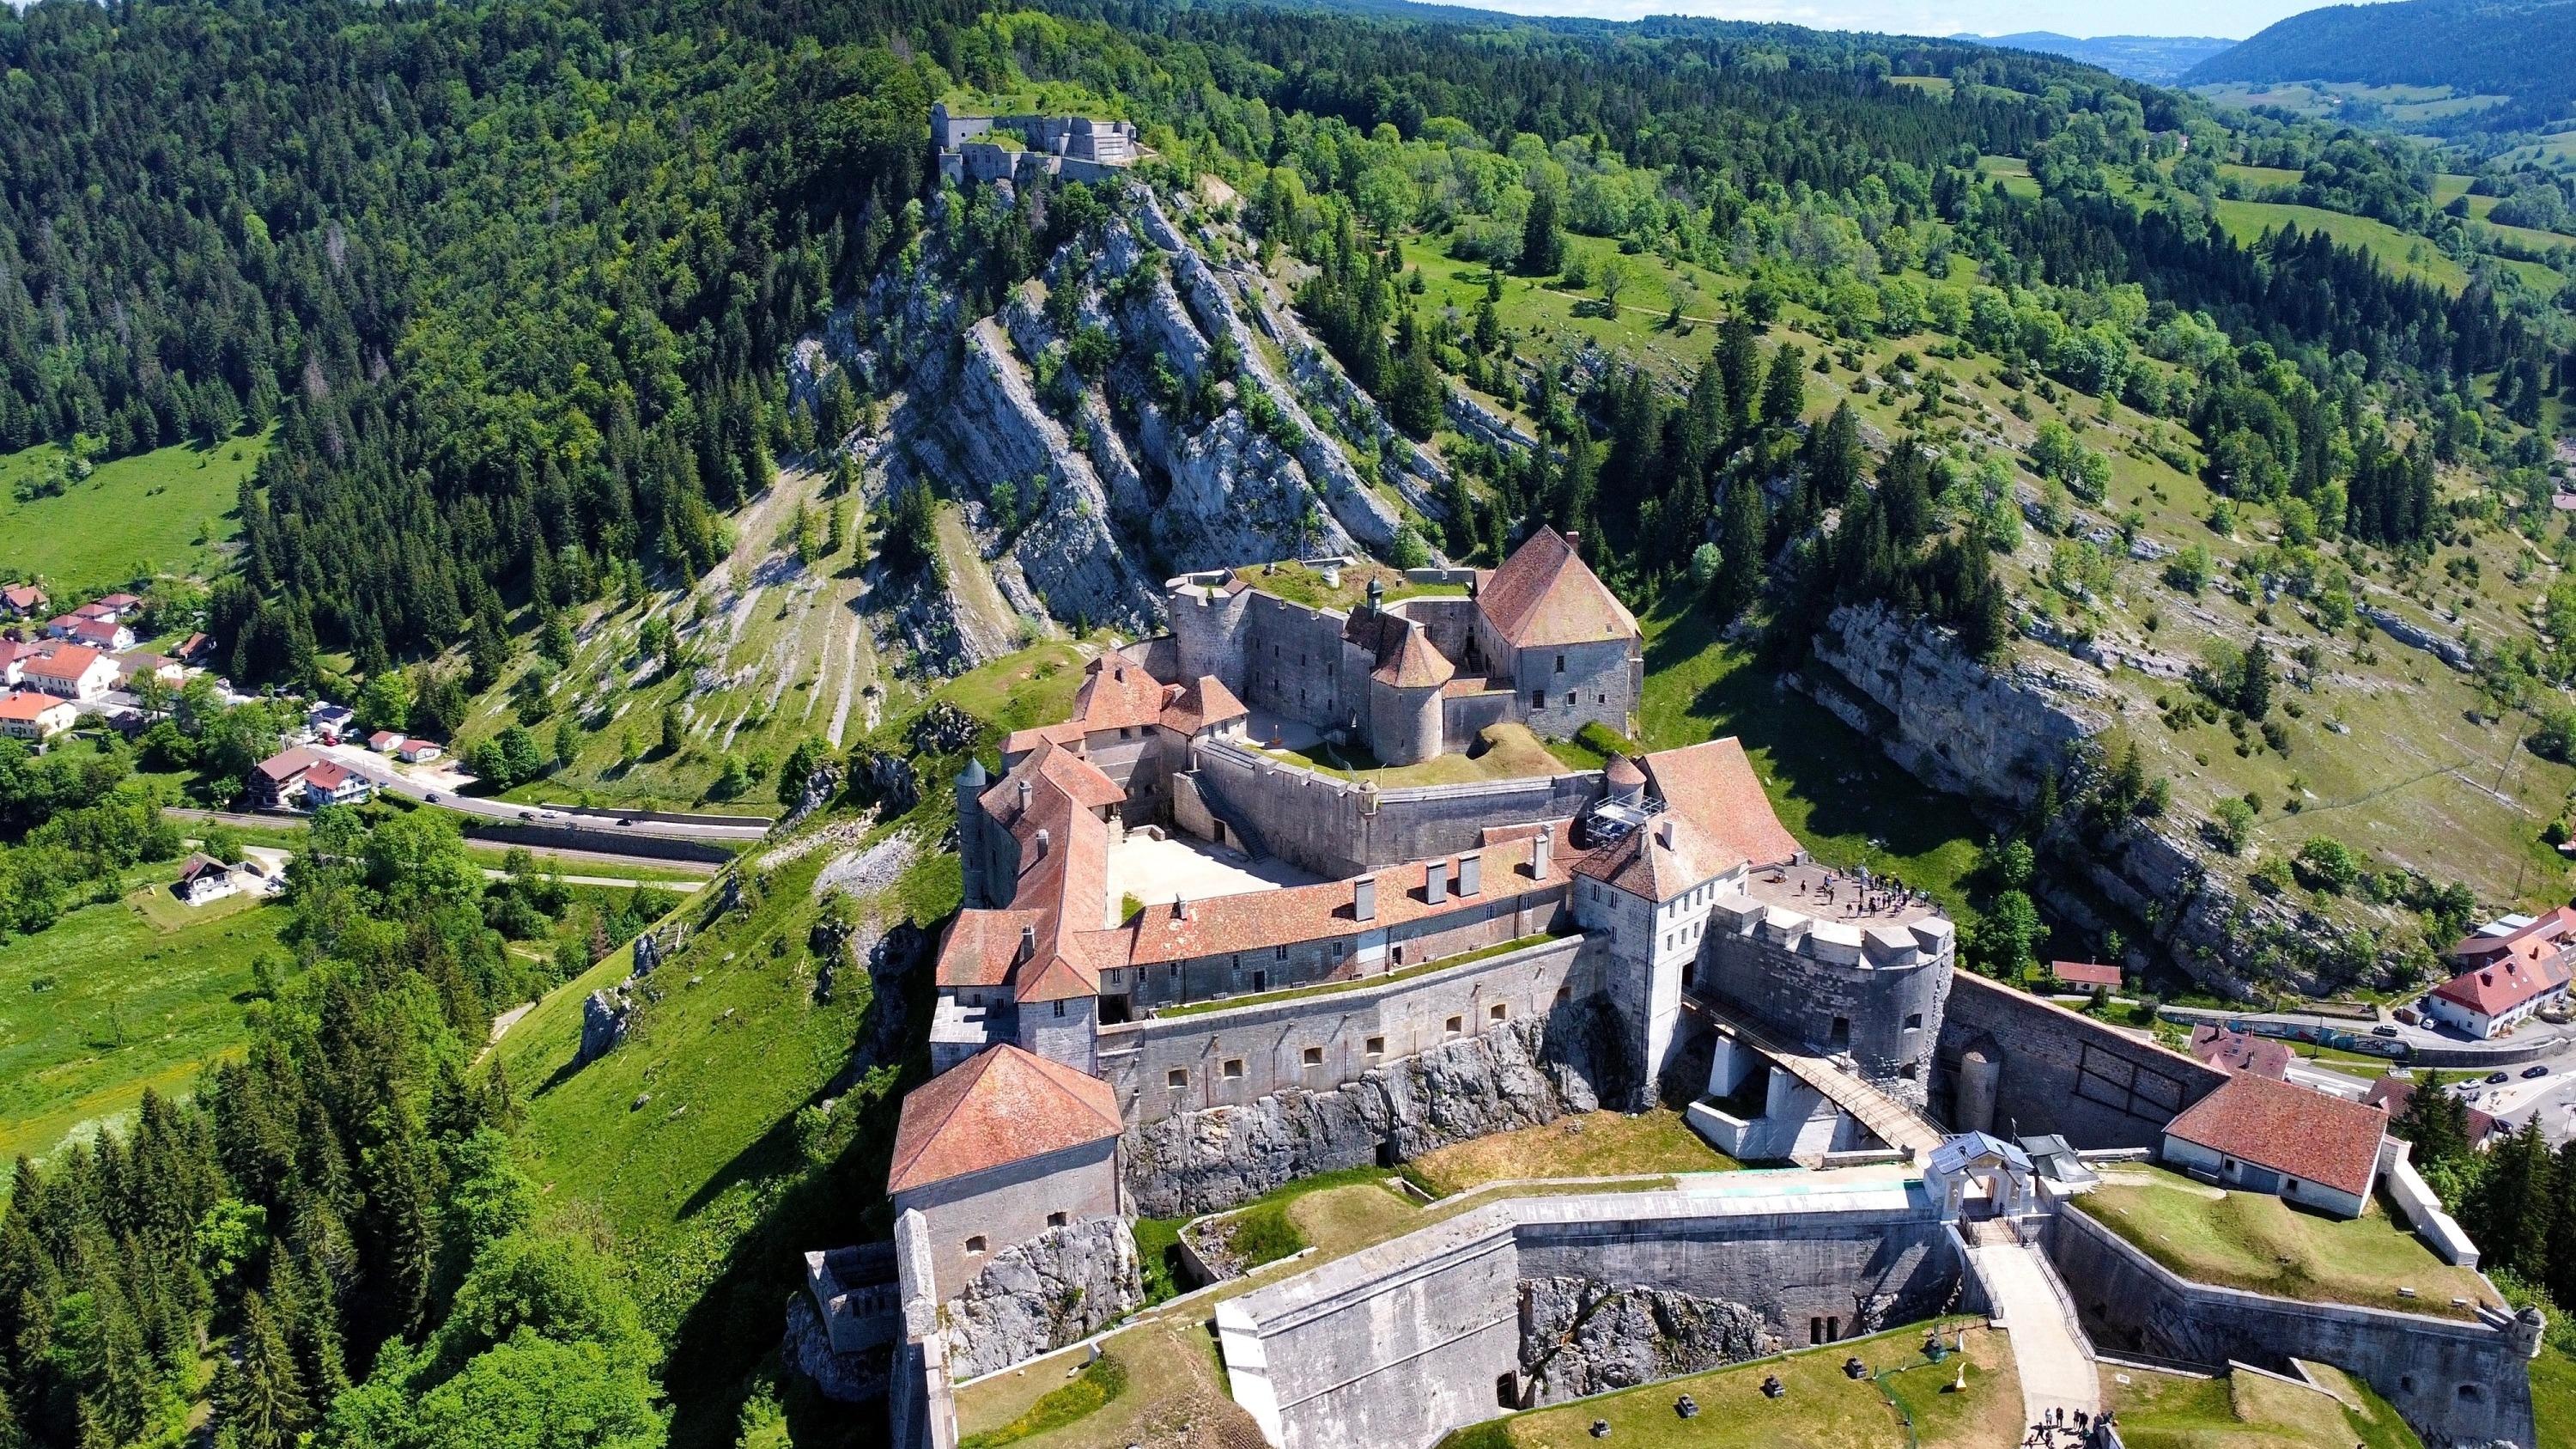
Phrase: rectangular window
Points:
(1496, 1012)
(1560, 664)
(1055, 1220)
(1572, 699)
(1376, 1046)
(1281, 952)
(1341, 949)
(1234, 1069)
(1538, 699)
(1059, 1008)
(1177, 1078)
(975, 1246)
(1456, 1025)
(1914, 1021)
(1313, 1056)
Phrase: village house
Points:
(28, 715)
(330, 723)
(105, 635)
(13, 660)
(114, 608)
(136, 666)
(2234, 1052)
(2084, 975)
(2515, 967)
(2260, 1135)
(22, 601)
(71, 671)
(277, 782)
(385, 742)
(204, 879)
(332, 783)
(414, 750)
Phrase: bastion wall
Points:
(1400, 1344)
(1887, 1018)
(1231, 1057)
(1334, 828)
(2014, 1064)
(2455, 1381)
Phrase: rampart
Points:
(1232, 1056)
(2014, 1064)
(1875, 995)
(2454, 1381)
(1401, 1343)
(1337, 827)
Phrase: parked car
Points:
(435, 797)
(2537, 1069)
(2495, 1077)
(527, 815)
(2383, 1031)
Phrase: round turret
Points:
(1627, 782)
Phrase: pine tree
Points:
(1741, 533)
(259, 1397)
(1542, 243)
(1784, 388)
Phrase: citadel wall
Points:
(2014, 1064)
(1400, 1344)
(1334, 827)
(1362, 951)
(1886, 1015)
(2454, 1381)
(1233, 1056)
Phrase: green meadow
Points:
(169, 511)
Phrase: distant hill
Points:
(2155, 59)
(2525, 49)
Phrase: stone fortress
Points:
(983, 149)
(1192, 966)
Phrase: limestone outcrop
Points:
(844, 1377)
(606, 1017)
(1530, 1072)
(1580, 1337)
(1034, 1297)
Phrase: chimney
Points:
(1044, 840)
(1574, 543)
(1471, 874)
(1028, 944)
(1024, 794)
(1664, 832)
(1542, 849)
(1180, 908)
(1435, 882)
(1364, 898)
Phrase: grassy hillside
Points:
(106, 1004)
(168, 511)
(2404, 254)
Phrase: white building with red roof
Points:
(2486, 1000)
(2260, 1135)
(70, 671)
(22, 601)
(26, 714)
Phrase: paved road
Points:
(2520, 1041)
(2047, 1346)
(684, 887)
(382, 774)
(546, 855)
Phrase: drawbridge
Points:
(1899, 1124)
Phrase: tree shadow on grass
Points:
(1808, 756)
(717, 1353)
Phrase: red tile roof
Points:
(68, 663)
(2543, 936)
(23, 597)
(2506, 983)
(1117, 693)
(1413, 663)
(327, 776)
(1221, 924)
(1545, 594)
(1202, 702)
(1647, 864)
(2235, 1052)
(2291, 1130)
(2085, 973)
(26, 706)
(286, 764)
(999, 1106)
(1713, 784)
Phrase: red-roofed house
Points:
(2236, 1052)
(70, 671)
(2266, 1136)
(22, 601)
(114, 608)
(14, 657)
(2485, 1000)
(101, 634)
(276, 783)
(331, 783)
(385, 742)
(27, 715)
(2085, 975)
(999, 1150)
(413, 750)
(2390, 1094)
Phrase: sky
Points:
(2233, 19)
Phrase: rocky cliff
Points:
(1057, 1288)
(1117, 420)
(1992, 734)
(1533, 1071)
(1580, 1337)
